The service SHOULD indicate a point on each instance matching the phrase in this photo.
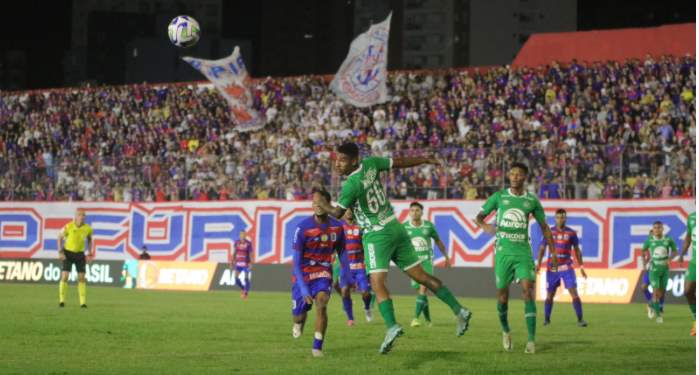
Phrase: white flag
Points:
(361, 80)
(230, 77)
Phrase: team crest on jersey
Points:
(323, 237)
(527, 204)
(355, 232)
(425, 232)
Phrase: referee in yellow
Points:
(71, 250)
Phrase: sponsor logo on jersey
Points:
(514, 218)
(420, 244)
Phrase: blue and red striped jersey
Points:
(242, 253)
(353, 246)
(564, 240)
(317, 244)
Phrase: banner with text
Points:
(611, 232)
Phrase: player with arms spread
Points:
(315, 241)
(385, 239)
(566, 241)
(513, 253)
(656, 257)
(690, 277)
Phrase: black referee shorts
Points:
(74, 258)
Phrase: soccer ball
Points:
(183, 31)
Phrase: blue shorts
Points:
(298, 304)
(361, 280)
(553, 279)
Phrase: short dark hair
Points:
(324, 193)
(350, 149)
(561, 211)
(416, 203)
(521, 166)
(658, 223)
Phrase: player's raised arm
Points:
(334, 211)
(409, 162)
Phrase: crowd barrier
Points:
(611, 232)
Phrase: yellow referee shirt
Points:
(74, 237)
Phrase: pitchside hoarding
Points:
(48, 271)
(611, 232)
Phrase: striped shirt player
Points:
(242, 264)
(357, 270)
(316, 240)
(566, 244)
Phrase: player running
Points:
(315, 241)
(71, 250)
(566, 241)
(355, 255)
(656, 259)
(242, 261)
(648, 292)
(513, 254)
(690, 277)
(385, 239)
(421, 233)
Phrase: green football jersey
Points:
(365, 195)
(421, 237)
(512, 220)
(659, 250)
(691, 227)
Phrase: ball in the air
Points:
(183, 31)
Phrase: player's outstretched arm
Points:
(334, 211)
(413, 162)
(685, 246)
(548, 236)
(443, 249)
(480, 221)
(542, 251)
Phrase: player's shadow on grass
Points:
(419, 358)
(550, 345)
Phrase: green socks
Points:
(530, 317)
(445, 295)
(693, 307)
(656, 307)
(426, 310)
(420, 304)
(502, 314)
(386, 309)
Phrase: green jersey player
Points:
(656, 258)
(385, 239)
(690, 277)
(421, 233)
(513, 252)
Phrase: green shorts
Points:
(392, 243)
(658, 277)
(691, 274)
(509, 268)
(428, 267)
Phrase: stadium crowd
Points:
(587, 130)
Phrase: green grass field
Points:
(149, 332)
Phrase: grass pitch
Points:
(153, 332)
